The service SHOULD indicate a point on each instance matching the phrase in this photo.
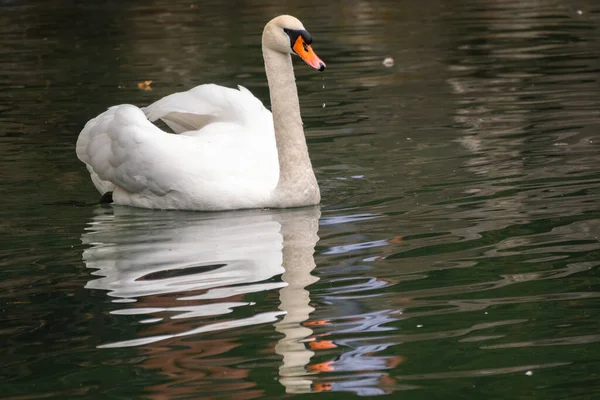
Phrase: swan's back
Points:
(191, 111)
(224, 157)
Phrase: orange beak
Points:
(307, 54)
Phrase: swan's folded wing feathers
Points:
(122, 147)
(205, 104)
(136, 152)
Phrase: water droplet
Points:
(529, 373)
(579, 12)
(388, 62)
(323, 105)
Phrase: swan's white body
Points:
(228, 163)
(228, 150)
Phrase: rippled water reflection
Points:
(455, 253)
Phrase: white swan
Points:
(228, 152)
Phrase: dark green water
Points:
(455, 253)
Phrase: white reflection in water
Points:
(210, 260)
(139, 254)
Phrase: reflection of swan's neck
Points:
(299, 238)
(297, 183)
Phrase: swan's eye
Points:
(295, 34)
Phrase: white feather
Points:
(224, 157)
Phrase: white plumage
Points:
(223, 155)
(228, 151)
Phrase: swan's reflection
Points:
(191, 265)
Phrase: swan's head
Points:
(286, 34)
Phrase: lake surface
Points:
(455, 253)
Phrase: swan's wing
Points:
(122, 148)
(206, 104)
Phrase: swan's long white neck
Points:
(297, 184)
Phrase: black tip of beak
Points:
(321, 67)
